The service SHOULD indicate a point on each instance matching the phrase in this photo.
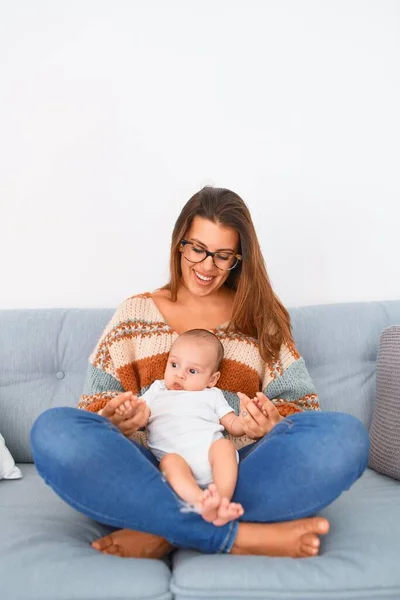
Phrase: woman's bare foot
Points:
(292, 538)
(133, 544)
(217, 510)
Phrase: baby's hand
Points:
(256, 400)
(127, 409)
(260, 406)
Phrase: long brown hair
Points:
(257, 311)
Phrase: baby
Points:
(186, 415)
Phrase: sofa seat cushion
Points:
(45, 551)
(358, 560)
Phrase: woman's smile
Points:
(202, 279)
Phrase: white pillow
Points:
(8, 470)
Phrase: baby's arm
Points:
(226, 415)
(232, 424)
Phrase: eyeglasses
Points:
(224, 261)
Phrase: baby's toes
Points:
(238, 510)
(204, 496)
(232, 511)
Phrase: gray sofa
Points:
(45, 551)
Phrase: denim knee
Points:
(51, 435)
(342, 445)
(333, 444)
(354, 440)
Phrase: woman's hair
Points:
(257, 311)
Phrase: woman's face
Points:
(204, 278)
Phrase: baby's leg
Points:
(180, 477)
(223, 460)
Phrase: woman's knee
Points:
(52, 431)
(341, 444)
(329, 442)
(353, 440)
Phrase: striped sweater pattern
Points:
(133, 350)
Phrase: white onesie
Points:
(186, 423)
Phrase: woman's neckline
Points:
(164, 320)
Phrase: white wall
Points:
(113, 113)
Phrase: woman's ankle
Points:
(241, 540)
(298, 538)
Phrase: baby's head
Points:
(193, 361)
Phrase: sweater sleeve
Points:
(103, 376)
(288, 384)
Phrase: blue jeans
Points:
(300, 467)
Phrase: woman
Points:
(300, 459)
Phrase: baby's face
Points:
(191, 366)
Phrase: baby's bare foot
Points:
(217, 510)
(209, 503)
(228, 511)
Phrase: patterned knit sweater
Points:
(133, 350)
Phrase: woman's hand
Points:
(131, 420)
(258, 415)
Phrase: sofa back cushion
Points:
(339, 343)
(44, 354)
(43, 359)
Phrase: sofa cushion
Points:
(358, 559)
(339, 343)
(385, 427)
(43, 361)
(45, 551)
